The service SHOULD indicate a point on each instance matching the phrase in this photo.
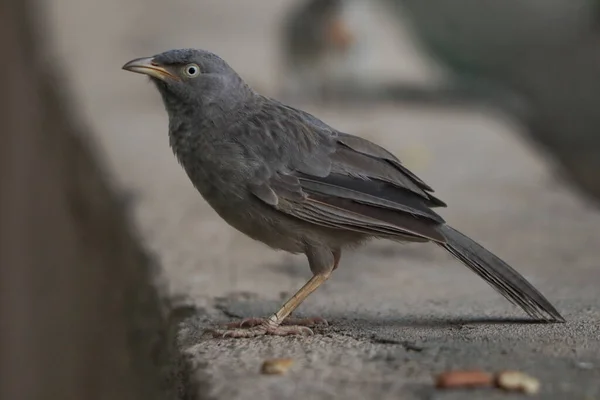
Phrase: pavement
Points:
(398, 314)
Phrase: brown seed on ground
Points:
(276, 366)
(517, 381)
(464, 379)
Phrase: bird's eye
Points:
(191, 70)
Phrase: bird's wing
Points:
(359, 187)
(358, 156)
(352, 184)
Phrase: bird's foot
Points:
(262, 330)
(252, 322)
(253, 327)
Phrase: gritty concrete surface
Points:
(398, 314)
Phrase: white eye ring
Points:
(191, 70)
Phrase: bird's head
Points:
(191, 77)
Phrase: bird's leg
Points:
(337, 255)
(293, 303)
(273, 324)
(277, 323)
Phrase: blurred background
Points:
(493, 103)
(497, 186)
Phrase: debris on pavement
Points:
(276, 366)
(464, 379)
(518, 381)
(507, 380)
(584, 365)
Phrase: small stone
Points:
(517, 381)
(276, 366)
(584, 365)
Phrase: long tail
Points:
(499, 275)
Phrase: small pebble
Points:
(276, 366)
(517, 381)
(584, 365)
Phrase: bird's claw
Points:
(253, 322)
(253, 327)
(262, 330)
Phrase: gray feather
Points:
(499, 275)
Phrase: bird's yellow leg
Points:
(297, 299)
(280, 323)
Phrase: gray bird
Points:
(287, 179)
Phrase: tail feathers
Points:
(499, 275)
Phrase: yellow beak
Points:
(147, 66)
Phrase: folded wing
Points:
(367, 190)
